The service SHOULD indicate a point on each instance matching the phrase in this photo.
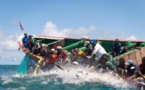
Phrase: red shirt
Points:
(142, 68)
(52, 59)
(62, 55)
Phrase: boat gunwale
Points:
(55, 37)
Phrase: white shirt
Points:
(99, 50)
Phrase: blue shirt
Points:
(117, 48)
(25, 41)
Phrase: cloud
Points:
(9, 48)
(8, 42)
(51, 29)
(132, 37)
(83, 30)
(112, 35)
(1, 34)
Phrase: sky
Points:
(105, 19)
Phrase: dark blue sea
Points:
(9, 80)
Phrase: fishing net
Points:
(25, 64)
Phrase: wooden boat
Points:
(136, 48)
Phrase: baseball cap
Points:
(93, 41)
(59, 47)
(87, 42)
(129, 62)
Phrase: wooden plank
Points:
(60, 43)
(138, 56)
(132, 57)
(126, 58)
(142, 52)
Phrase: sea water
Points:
(78, 78)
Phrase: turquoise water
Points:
(10, 81)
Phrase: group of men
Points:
(43, 55)
(127, 70)
(51, 57)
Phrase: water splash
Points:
(75, 75)
(80, 75)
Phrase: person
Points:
(81, 56)
(93, 43)
(50, 62)
(98, 51)
(113, 54)
(73, 55)
(61, 55)
(125, 49)
(142, 66)
(53, 51)
(25, 40)
(89, 49)
(132, 70)
(116, 46)
(44, 62)
(30, 45)
(43, 51)
(106, 64)
(121, 67)
(36, 49)
(52, 58)
(30, 37)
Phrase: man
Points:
(121, 67)
(25, 40)
(53, 51)
(125, 49)
(50, 62)
(30, 44)
(93, 42)
(89, 49)
(106, 64)
(116, 47)
(73, 56)
(61, 55)
(98, 51)
(142, 66)
(132, 70)
(30, 37)
(81, 56)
